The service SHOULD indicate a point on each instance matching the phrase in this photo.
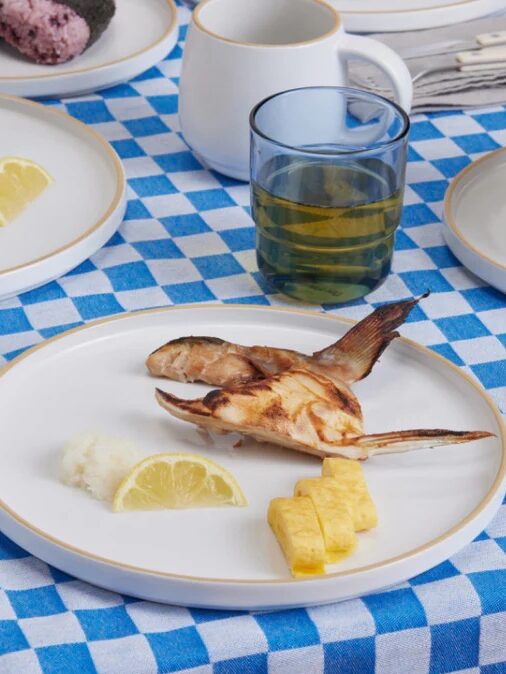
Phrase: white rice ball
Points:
(97, 463)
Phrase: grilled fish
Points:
(207, 359)
(305, 411)
(220, 363)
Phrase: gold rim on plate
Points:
(118, 169)
(501, 474)
(448, 210)
(78, 71)
(407, 11)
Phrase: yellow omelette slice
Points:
(334, 513)
(350, 477)
(295, 525)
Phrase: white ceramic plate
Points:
(430, 503)
(389, 16)
(77, 214)
(141, 34)
(475, 217)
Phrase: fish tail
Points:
(357, 352)
(364, 446)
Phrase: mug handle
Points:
(377, 53)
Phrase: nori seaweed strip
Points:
(96, 13)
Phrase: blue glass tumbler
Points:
(327, 184)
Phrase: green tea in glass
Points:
(327, 183)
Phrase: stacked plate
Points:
(383, 16)
(86, 202)
(77, 214)
(122, 52)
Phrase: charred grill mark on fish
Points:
(347, 401)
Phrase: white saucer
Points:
(475, 218)
(77, 214)
(430, 502)
(141, 34)
(390, 16)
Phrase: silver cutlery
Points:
(465, 61)
(481, 41)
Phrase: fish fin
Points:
(404, 441)
(356, 353)
(183, 409)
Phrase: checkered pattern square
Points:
(188, 237)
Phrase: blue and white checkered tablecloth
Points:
(188, 237)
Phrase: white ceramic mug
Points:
(241, 51)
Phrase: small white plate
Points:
(141, 34)
(431, 502)
(475, 218)
(390, 16)
(77, 214)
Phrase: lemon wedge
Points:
(21, 182)
(177, 481)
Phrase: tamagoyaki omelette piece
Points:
(334, 513)
(295, 525)
(349, 476)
